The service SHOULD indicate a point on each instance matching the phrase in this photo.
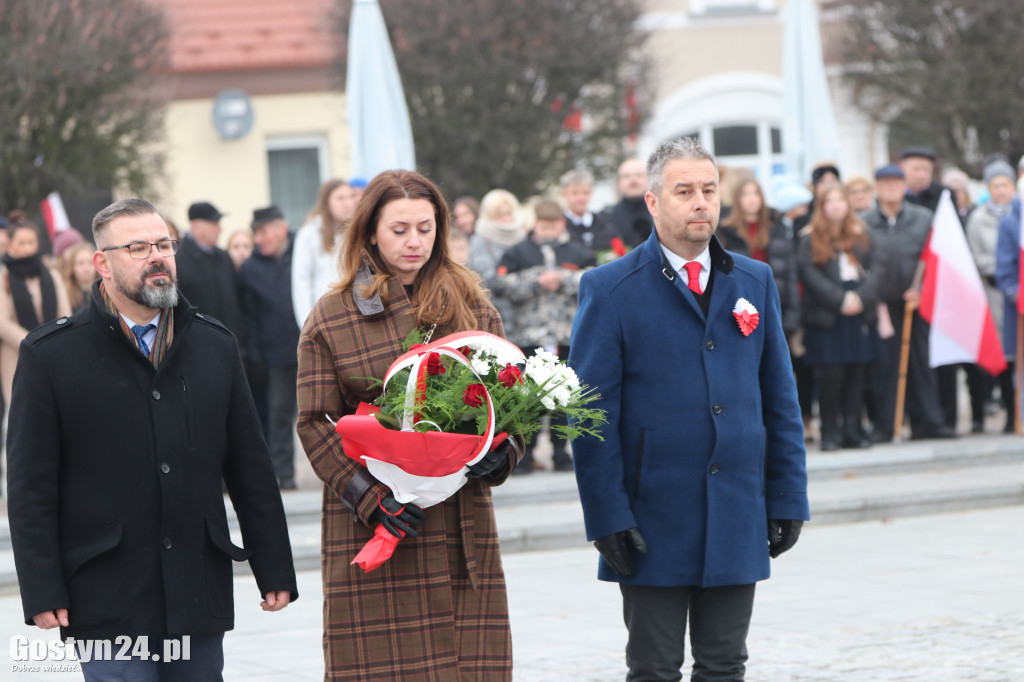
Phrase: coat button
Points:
(156, 394)
(165, 467)
(714, 469)
(710, 345)
(167, 543)
(62, 320)
(717, 409)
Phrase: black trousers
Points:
(946, 377)
(205, 662)
(922, 396)
(284, 410)
(841, 400)
(656, 619)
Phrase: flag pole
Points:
(1020, 374)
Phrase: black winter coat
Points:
(782, 259)
(209, 282)
(632, 220)
(596, 238)
(824, 290)
(267, 301)
(115, 473)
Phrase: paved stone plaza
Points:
(921, 599)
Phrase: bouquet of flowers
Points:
(445, 405)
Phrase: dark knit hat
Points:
(919, 152)
(889, 170)
(262, 216)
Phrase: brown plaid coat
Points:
(437, 609)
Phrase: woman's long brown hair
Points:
(737, 220)
(329, 228)
(445, 291)
(828, 240)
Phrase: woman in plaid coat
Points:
(437, 609)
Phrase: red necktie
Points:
(693, 275)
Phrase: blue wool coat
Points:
(1008, 275)
(704, 441)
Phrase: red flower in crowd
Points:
(434, 365)
(510, 376)
(473, 396)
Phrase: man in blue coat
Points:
(1008, 278)
(701, 475)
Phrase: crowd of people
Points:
(843, 253)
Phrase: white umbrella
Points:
(378, 119)
(809, 124)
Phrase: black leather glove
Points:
(399, 519)
(782, 535)
(615, 549)
(495, 460)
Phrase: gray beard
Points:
(151, 296)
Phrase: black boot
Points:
(830, 440)
(854, 437)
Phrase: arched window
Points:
(737, 116)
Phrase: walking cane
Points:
(901, 386)
(1020, 373)
(908, 320)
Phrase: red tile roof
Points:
(228, 35)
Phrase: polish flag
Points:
(953, 298)
(54, 214)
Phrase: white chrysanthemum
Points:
(537, 373)
(561, 395)
(502, 352)
(548, 402)
(482, 363)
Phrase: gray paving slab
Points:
(918, 599)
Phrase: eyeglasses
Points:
(141, 250)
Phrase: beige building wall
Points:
(719, 63)
(233, 174)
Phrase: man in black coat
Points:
(205, 273)
(632, 220)
(125, 421)
(266, 280)
(900, 229)
(918, 165)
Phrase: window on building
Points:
(735, 140)
(296, 167)
(756, 146)
(719, 7)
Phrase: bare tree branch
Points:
(489, 84)
(78, 108)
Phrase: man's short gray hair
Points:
(576, 177)
(685, 148)
(119, 209)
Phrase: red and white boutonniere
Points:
(746, 316)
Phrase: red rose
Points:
(510, 376)
(466, 350)
(434, 365)
(417, 346)
(473, 396)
